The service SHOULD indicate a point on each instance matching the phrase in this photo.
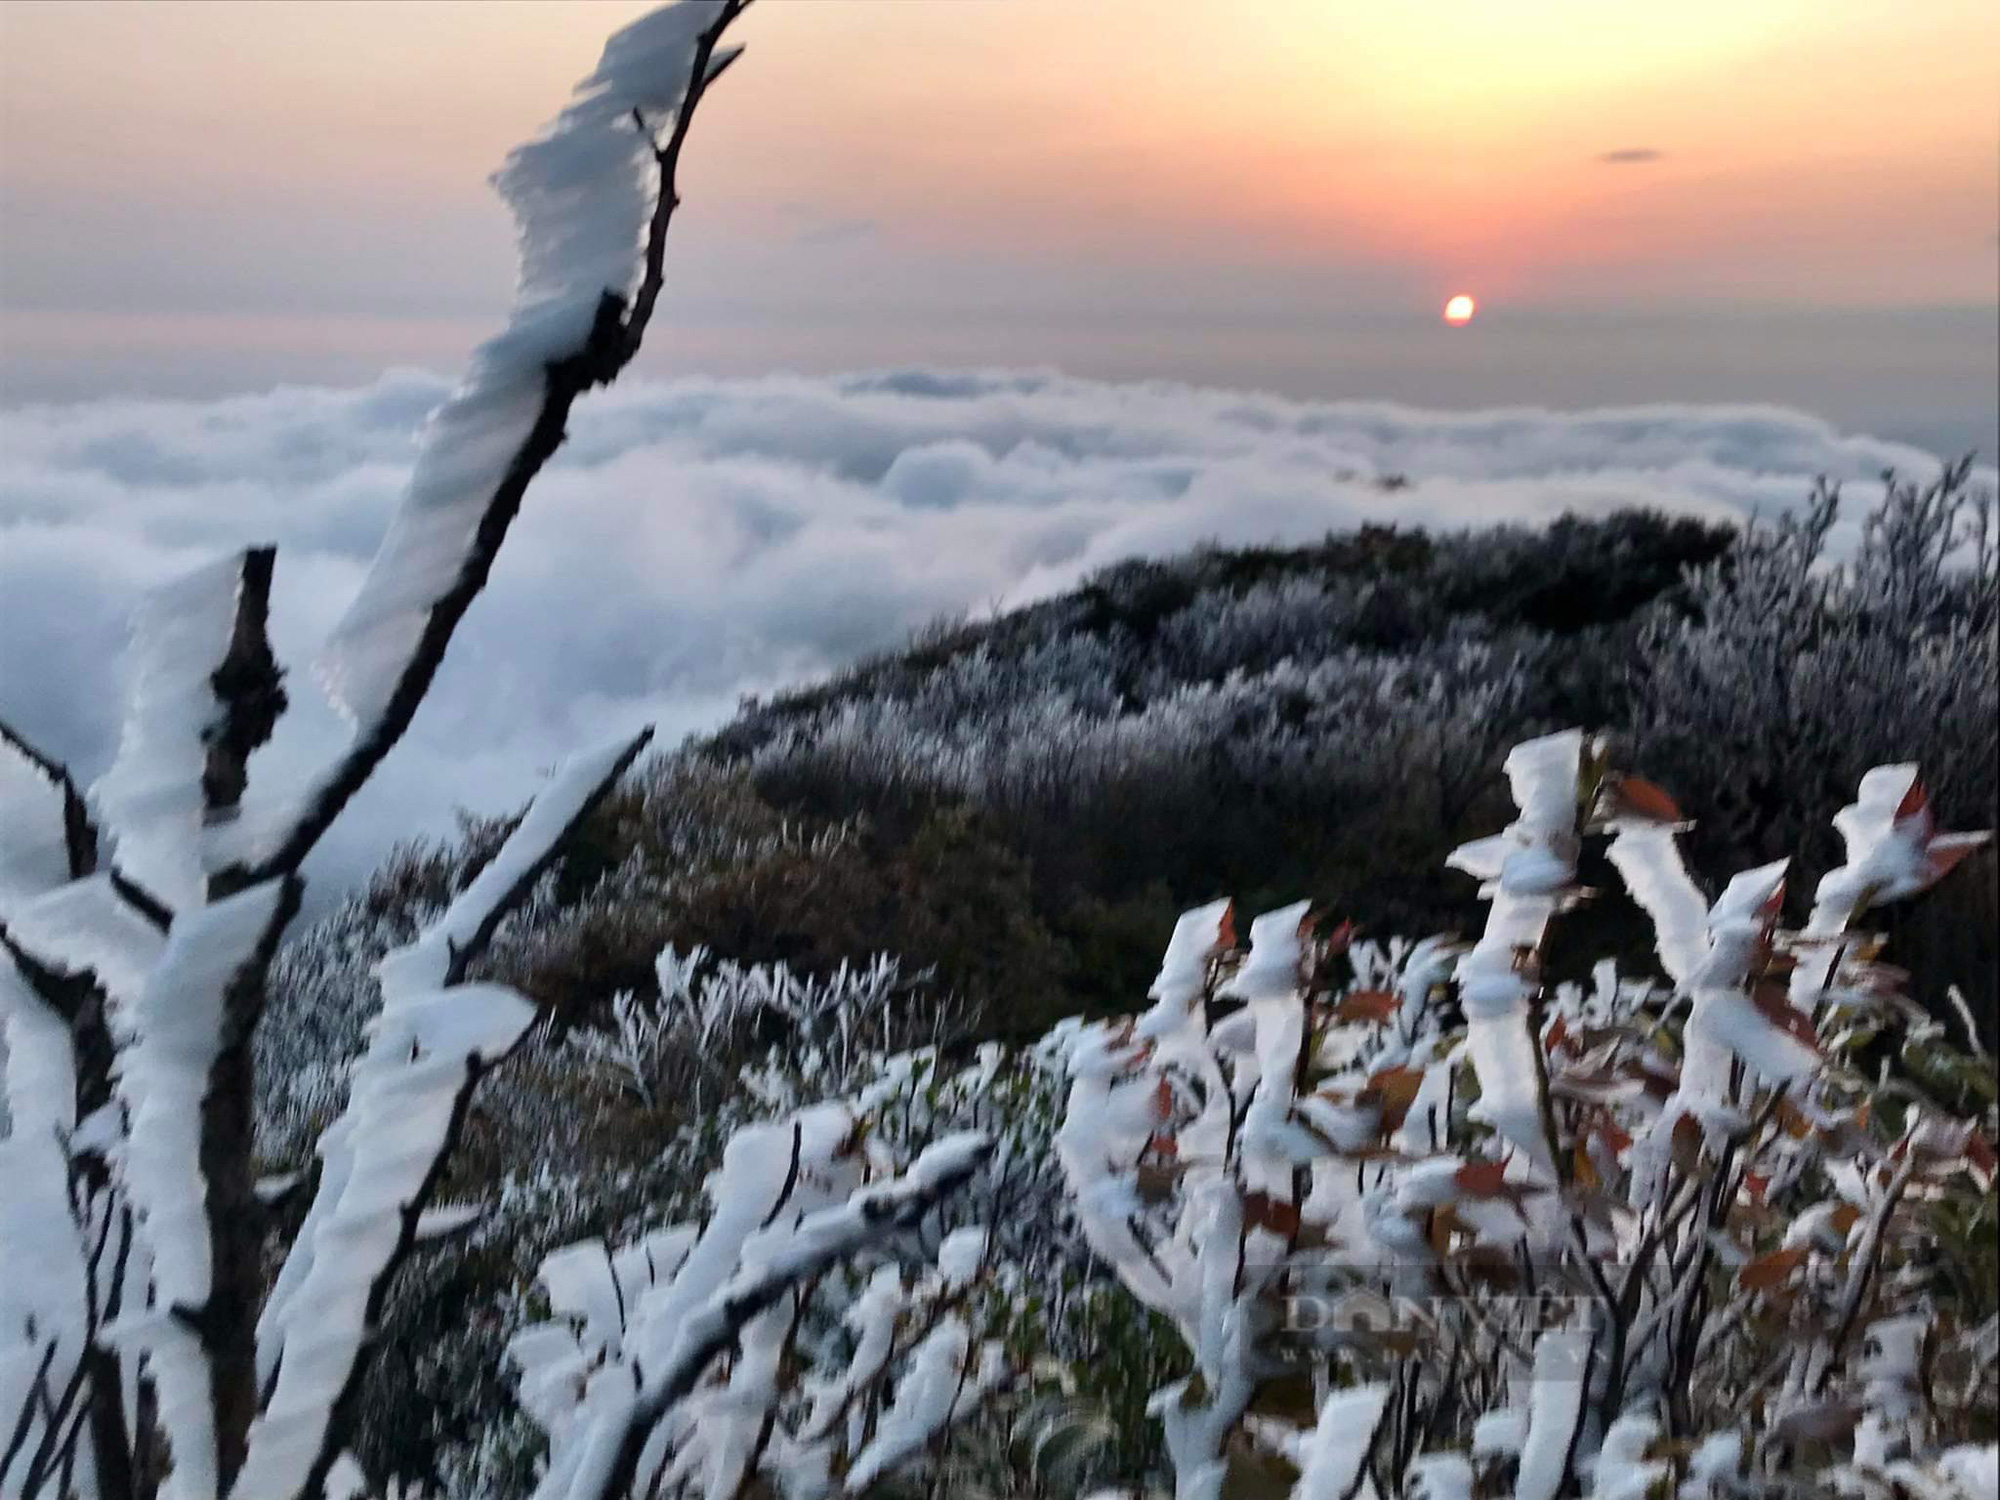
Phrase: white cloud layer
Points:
(705, 538)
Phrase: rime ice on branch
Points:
(1613, 1239)
(132, 992)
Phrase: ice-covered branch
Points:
(593, 198)
(185, 1166)
(628, 1432)
(45, 1309)
(205, 693)
(433, 1041)
(1528, 871)
(46, 835)
(1894, 850)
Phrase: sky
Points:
(1741, 200)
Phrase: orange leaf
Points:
(1366, 1005)
(1482, 1179)
(1274, 1214)
(1844, 1217)
(1768, 1272)
(1557, 1034)
(1795, 1124)
(1642, 799)
(1444, 1223)
(1397, 1089)
(1163, 1145)
(1756, 1184)
(1163, 1100)
(1226, 929)
(1780, 1012)
(1338, 939)
(1940, 862)
(1916, 801)
(1979, 1151)
(1583, 1171)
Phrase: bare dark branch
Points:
(248, 683)
(463, 954)
(226, 1323)
(79, 833)
(345, 1405)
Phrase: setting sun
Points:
(1459, 310)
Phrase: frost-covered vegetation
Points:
(157, 1339)
(807, 1110)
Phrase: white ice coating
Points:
(738, 1263)
(1555, 1407)
(424, 1049)
(151, 798)
(1526, 870)
(1339, 1444)
(581, 194)
(34, 848)
(1893, 850)
(178, 1026)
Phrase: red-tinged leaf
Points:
(1769, 1272)
(1366, 1005)
(1337, 941)
(1688, 1142)
(1979, 1152)
(1556, 1035)
(1154, 1181)
(1769, 913)
(1613, 1135)
(1941, 858)
(1163, 1100)
(1274, 1214)
(1772, 1004)
(1396, 1088)
(1756, 1184)
(1226, 929)
(1916, 801)
(1843, 1218)
(1163, 1145)
(1639, 798)
(1482, 1179)
(1793, 1120)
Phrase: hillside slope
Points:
(1013, 810)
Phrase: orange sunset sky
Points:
(223, 177)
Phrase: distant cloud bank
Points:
(701, 539)
(1630, 155)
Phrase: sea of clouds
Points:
(702, 539)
